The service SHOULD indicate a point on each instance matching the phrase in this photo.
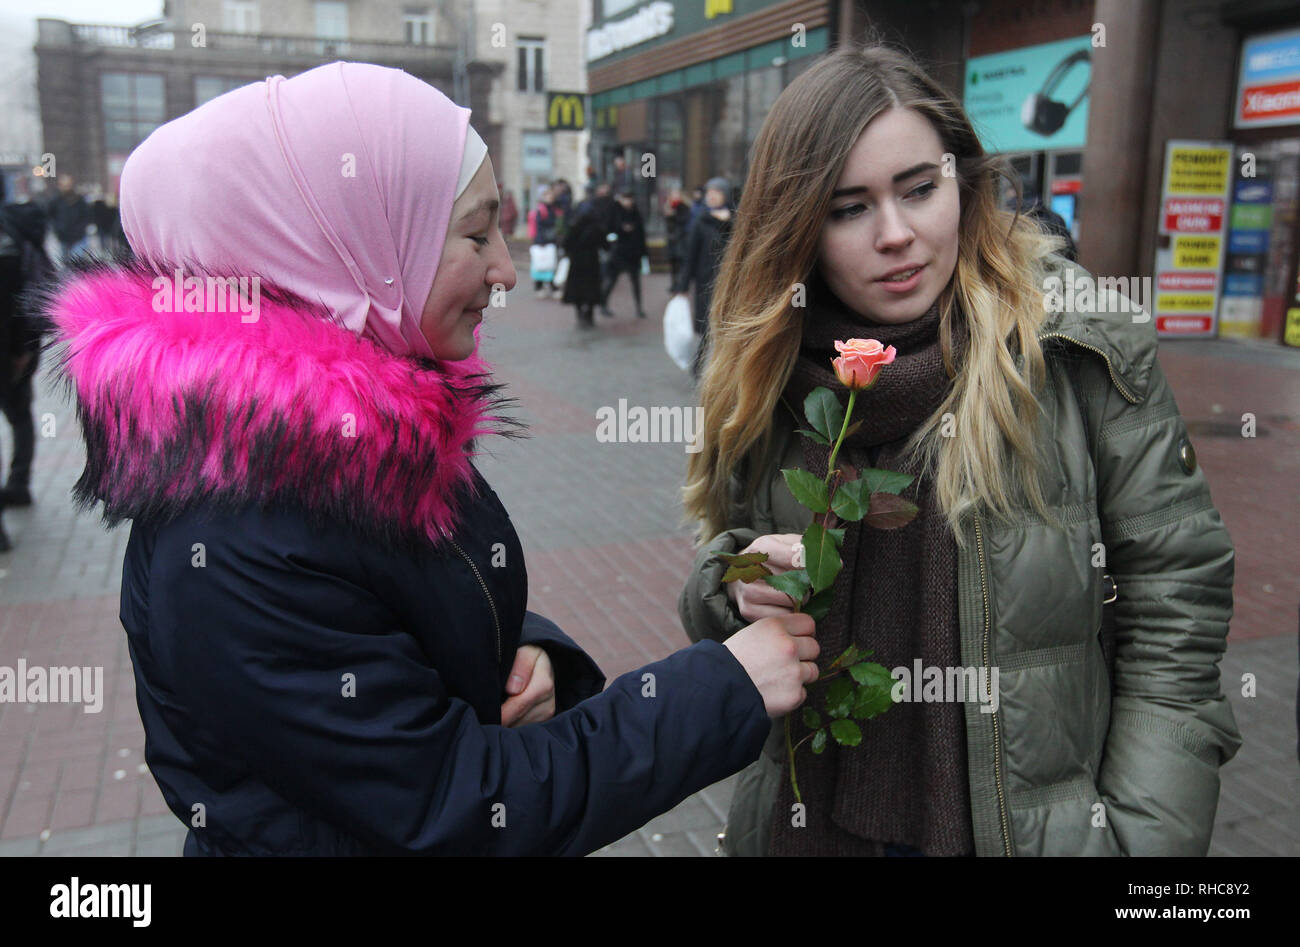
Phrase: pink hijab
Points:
(336, 185)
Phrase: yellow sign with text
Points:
(1199, 170)
(1185, 302)
(1196, 253)
(1292, 334)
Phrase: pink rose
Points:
(860, 362)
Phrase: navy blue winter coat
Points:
(322, 618)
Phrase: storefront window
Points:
(728, 154)
(764, 87)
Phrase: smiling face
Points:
(892, 209)
(474, 258)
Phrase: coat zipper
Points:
(979, 542)
(997, 733)
(1092, 348)
(496, 624)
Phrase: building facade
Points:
(103, 89)
(1166, 133)
(679, 88)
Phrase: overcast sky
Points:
(126, 12)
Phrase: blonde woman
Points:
(1054, 474)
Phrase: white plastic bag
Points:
(541, 261)
(680, 339)
(561, 271)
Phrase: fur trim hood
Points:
(181, 408)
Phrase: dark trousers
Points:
(16, 402)
(618, 265)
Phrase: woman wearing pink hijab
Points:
(283, 395)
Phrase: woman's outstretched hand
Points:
(757, 600)
(531, 687)
(780, 657)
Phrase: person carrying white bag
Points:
(543, 254)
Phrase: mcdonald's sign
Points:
(566, 111)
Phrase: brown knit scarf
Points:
(897, 596)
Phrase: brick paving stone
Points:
(119, 831)
(120, 849)
(20, 848)
(73, 809)
(674, 845)
(169, 845)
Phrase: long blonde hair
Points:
(755, 328)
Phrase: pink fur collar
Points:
(185, 408)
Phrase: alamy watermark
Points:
(181, 293)
(929, 683)
(657, 425)
(1079, 291)
(75, 899)
(53, 685)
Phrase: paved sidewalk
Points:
(607, 555)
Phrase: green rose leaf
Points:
(819, 741)
(741, 558)
(819, 605)
(846, 732)
(811, 718)
(889, 511)
(814, 437)
(824, 413)
(849, 502)
(885, 481)
(838, 536)
(839, 697)
(821, 556)
(868, 673)
(744, 567)
(871, 702)
(851, 655)
(808, 489)
(793, 584)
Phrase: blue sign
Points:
(1252, 192)
(1031, 99)
(1274, 56)
(1243, 284)
(1248, 241)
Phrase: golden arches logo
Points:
(566, 112)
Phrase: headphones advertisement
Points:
(1031, 99)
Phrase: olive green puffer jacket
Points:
(1071, 763)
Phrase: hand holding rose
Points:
(757, 600)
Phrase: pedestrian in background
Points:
(25, 270)
(107, 219)
(70, 217)
(585, 240)
(627, 252)
(705, 245)
(678, 218)
(541, 231)
(1049, 221)
(509, 214)
(698, 204)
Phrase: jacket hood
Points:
(270, 404)
(1127, 344)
